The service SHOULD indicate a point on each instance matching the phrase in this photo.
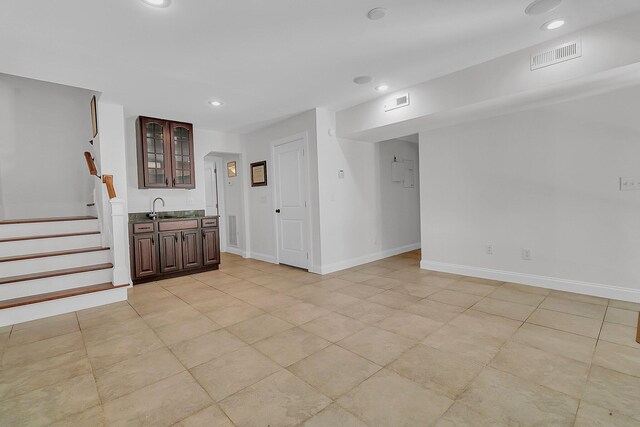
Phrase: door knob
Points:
(277, 210)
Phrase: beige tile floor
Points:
(383, 344)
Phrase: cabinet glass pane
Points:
(155, 153)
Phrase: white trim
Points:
(236, 251)
(342, 265)
(304, 136)
(576, 286)
(262, 257)
(25, 313)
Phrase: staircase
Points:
(51, 266)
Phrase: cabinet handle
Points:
(176, 236)
(153, 241)
(174, 182)
(166, 182)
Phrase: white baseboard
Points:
(26, 313)
(352, 262)
(576, 286)
(262, 257)
(236, 251)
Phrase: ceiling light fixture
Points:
(377, 13)
(215, 103)
(554, 24)
(539, 7)
(363, 80)
(382, 88)
(157, 3)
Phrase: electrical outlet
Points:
(629, 184)
(526, 254)
(488, 249)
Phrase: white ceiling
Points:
(265, 59)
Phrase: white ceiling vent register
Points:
(556, 55)
(397, 102)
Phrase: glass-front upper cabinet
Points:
(182, 151)
(165, 154)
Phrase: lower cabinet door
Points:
(144, 252)
(170, 252)
(211, 246)
(191, 249)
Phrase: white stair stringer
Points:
(49, 263)
(47, 228)
(25, 313)
(49, 244)
(52, 284)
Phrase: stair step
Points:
(56, 283)
(16, 229)
(62, 305)
(34, 299)
(18, 265)
(34, 220)
(48, 236)
(52, 254)
(49, 243)
(54, 273)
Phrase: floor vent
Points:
(556, 55)
(233, 230)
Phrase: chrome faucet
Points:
(153, 215)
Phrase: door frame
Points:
(304, 136)
(217, 162)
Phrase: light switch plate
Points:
(629, 184)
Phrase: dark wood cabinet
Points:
(170, 252)
(191, 249)
(211, 246)
(144, 255)
(168, 248)
(165, 154)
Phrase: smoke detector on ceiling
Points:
(363, 80)
(377, 13)
(539, 7)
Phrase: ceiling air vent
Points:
(397, 102)
(556, 55)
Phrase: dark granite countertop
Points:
(139, 217)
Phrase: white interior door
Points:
(290, 170)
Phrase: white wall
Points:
(362, 218)
(546, 180)
(234, 188)
(45, 129)
(399, 206)
(205, 142)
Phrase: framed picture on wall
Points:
(231, 169)
(259, 173)
(94, 116)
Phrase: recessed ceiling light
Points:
(157, 3)
(553, 25)
(377, 13)
(215, 103)
(539, 7)
(382, 88)
(363, 80)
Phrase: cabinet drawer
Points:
(209, 222)
(143, 228)
(178, 225)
